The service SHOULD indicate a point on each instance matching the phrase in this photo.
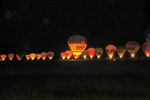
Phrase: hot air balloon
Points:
(32, 56)
(121, 51)
(3, 57)
(10, 56)
(27, 56)
(110, 49)
(132, 47)
(43, 55)
(38, 56)
(68, 54)
(63, 55)
(50, 55)
(84, 54)
(19, 57)
(146, 48)
(77, 44)
(91, 52)
(99, 52)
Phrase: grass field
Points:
(83, 80)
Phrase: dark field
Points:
(82, 80)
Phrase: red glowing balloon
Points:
(77, 44)
(32, 56)
(146, 48)
(110, 49)
(43, 55)
(91, 52)
(68, 54)
(38, 56)
(63, 55)
(19, 57)
(121, 51)
(27, 56)
(3, 57)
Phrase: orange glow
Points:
(18, 57)
(50, 55)
(43, 55)
(110, 49)
(148, 54)
(121, 51)
(146, 49)
(27, 57)
(77, 44)
(38, 56)
(63, 55)
(32, 56)
(91, 52)
(99, 52)
(3, 57)
(132, 55)
(68, 54)
(84, 54)
(10, 56)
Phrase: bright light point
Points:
(98, 57)
(84, 57)
(91, 57)
(132, 55)
(147, 55)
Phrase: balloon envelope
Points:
(99, 52)
(146, 48)
(27, 56)
(110, 49)
(43, 55)
(132, 47)
(68, 54)
(63, 55)
(50, 55)
(77, 44)
(121, 51)
(38, 56)
(10, 56)
(32, 56)
(91, 52)
(3, 57)
(19, 57)
(84, 54)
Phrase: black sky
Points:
(47, 24)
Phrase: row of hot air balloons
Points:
(31, 56)
(78, 44)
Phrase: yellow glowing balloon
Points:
(27, 56)
(68, 54)
(32, 56)
(121, 51)
(110, 49)
(11, 56)
(43, 55)
(132, 47)
(3, 57)
(91, 52)
(38, 56)
(84, 54)
(50, 55)
(77, 44)
(99, 52)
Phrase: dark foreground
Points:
(83, 80)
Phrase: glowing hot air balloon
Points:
(91, 52)
(43, 55)
(50, 55)
(68, 54)
(84, 54)
(27, 56)
(63, 55)
(77, 44)
(132, 47)
(99, 52)
(32, 56)
(110, 49)
(10, 56)
(146, 48)
(121, 51)
(3, 57)
(19, 57)
(38, 56)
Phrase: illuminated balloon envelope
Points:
(50, 55)
(110, 49)
(63, 55)
(68, 54)
(99, 52)
(43, 55)
(32, 56)
(121, 51)
(132, 47)
(77, 44)
(19, 57)
(91, 52)
(3, 57)
(11, 56)
(84, 54)
(27, 56)
(146, 48)
(38, 56)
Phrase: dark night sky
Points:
(47, 24)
